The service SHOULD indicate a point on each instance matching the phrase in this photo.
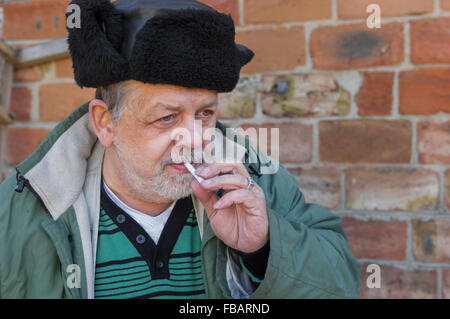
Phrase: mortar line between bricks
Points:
(315, 144)
(409, 256)
(404, 265)
(50, 75)
(298, 70)
(334, 10)
(26, 42)
(54, 80)
(414, 152)
(308, 59)
(344, 166)
(35, 125)
(258, 108)
(310, 120)
(395, 96)
(338, 22)
(34, 107)
(439, 284)
(407, 43)
(342, 205)
(324, 22)
(354, 109)
(437, 8)
(241, 12)
(442, 205)
(393, 215)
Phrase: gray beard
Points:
(167, 187)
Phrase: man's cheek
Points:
(159, 151)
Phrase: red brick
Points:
(430, 41)
(447, 188)
(315, 94)
(375, 96)
(433, 141)
(225, 6)
(63, 68)
(376, 238)
(56, 101)
(34, 19)
(445, 5)
(21, 103)
(392, 189)
(431, 240)
(278, 11)
(275, 49)
(356, 46)
(22, 141)
(319, 185)
(424, 91)
(295, 141)
(353, 9)
(400, 283)
(365, 141)
(30, 74)
(446, 283)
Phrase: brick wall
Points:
(363, 116)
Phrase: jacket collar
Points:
(57, 168)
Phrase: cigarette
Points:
(191, 169)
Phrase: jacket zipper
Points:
(22, 182)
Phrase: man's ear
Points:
(101, 121)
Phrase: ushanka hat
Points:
(179, 42)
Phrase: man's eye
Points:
(167, 118)
(206, 113)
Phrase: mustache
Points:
(186, 155)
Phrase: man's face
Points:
(147, 133)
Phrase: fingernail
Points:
(217, 205)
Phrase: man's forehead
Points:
(164, 96)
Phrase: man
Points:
(105, 208)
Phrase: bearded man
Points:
(105, 208)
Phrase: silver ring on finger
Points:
(250, 183)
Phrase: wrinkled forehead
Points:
(146, 97)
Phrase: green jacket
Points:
(49, 219)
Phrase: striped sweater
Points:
(130, 265)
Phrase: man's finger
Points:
(208, 198)
(225, 182)
(240, 196)
(210, 170)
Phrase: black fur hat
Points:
(178, 42)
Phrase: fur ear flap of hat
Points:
(95, 45)
(179, 42)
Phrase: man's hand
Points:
(239, 218)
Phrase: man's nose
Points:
(189, 135)
(195, 130)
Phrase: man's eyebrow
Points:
(212, 104)
(169, 107)
(177, 108)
